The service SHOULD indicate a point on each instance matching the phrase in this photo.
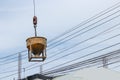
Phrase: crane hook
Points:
(35, 20)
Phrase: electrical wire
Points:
(8, 59)
(86, 30)
(12, 54)
(29, 69)
(94, 17)
(84, 48)
(81, 29)
(89, 20)
(12, 61)
(61, 73)
(85, 55)
(5, 57)
(81, 42)
(77, 51)
(9, 62)
(64, 69)
(88, 61)
(99, 25)
(102, 13)
(9, 67)
(55, 66)
(116, 66)
(8, 76)
(11, 71)
(79, 57)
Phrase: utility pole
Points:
(41, 69)
(24, 72)
(19, 66)
(13, 78)
(105, 62)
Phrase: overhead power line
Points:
(85, 22)
(74, 53)
(88, 20)
(88, 54)
(107, 21)
(63, 72)
(26, 50)
(112, 57)
(82, 64)
(103, 22)
(9, 62)
(93, 60)
(10, 71)
(81, 57)
(92, 28)
(116, 66)
(76, 58)
(2, 78)
(81, 42)
(72, 36)
(11, 58)
(11, 55)
(93, 37)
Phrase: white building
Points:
(91, 74)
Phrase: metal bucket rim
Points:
(36, 37)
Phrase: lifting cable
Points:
(34, 6)
(35, 19)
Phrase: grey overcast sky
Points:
(54, 18)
